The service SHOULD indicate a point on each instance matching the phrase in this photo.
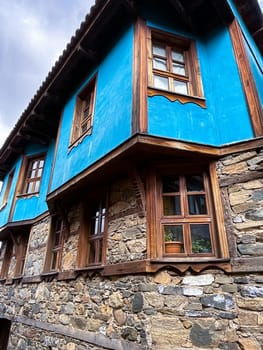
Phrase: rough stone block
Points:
(218, 301)
(201, 280)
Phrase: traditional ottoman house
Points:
(131, 209)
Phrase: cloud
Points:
(32, 34)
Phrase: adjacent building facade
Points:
(131, 209)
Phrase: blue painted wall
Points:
(225, 118)
(32, 206)
(112, 114)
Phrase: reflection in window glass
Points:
(170, 184)
(171, 205)
(173, 237)
(197, 204)
(201, 241)
(160, 82)
(180, 87)
(194, 183)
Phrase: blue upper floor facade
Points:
(116, 97)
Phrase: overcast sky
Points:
(33, 33)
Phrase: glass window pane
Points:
(177, 56)
(178, 68)
(159, 63)
(92, 252)
(180, 87)
(201, 241)
(54, 261)
(33, 174)
(41, 164)
(160, 82)
(34, 164)
(37, 186)
(29, 187)
(194, 183)
(159, 50)
(170, 184)
(197, 204)
(173, 238)
(39, 173)
(171, 205)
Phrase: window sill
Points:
(172, 96)
(28, 195)
(3, 206)
(89, 268)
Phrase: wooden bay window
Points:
(92, 234)
(185, 222)
(55, 245)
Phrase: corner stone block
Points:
(202, 280)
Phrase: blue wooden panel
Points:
(112, 116)
(30, 207)
(225, 118)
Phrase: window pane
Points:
(92, 252)
(54, 261)
(34, 164)
(201, 241)
(171, 205)
(161, 82)
(194, 183)
(39, 173)
(171, 184)
(37, 186)
(177, 56)
(173, 238)
(196, 204)
(178, 68)
(180, 86)
(41, 164)
(30, 187)
(159, 50)
(33, 174)
(159, 63)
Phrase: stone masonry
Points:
(165, 310)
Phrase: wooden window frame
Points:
(8, 187)
(155, 219)
(28, 166)
(55, 245)
(192, 77)
(98, 212)
(20, 253)
(7, 259)
(83, 114)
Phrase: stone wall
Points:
(161, 311)
(164, 311)
(126, 236)
(241, 181)
(37, 245)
